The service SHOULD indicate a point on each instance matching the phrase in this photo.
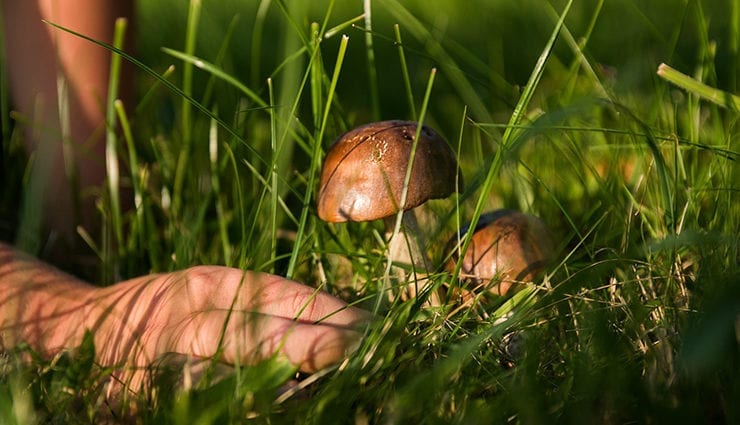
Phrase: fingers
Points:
(289, 299)
(250, 316)
(239, 337)
(229, 288)
(309, 347)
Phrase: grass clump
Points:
(635, 321)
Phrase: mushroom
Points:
(508, 248)
(363, 179)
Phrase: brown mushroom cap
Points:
(507, 245)
(364, 171)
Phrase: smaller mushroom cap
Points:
(508, 246)
(364, 171)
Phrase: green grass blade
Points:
(111, 148)
(297, 28)
(256, 45)
(667, 195)
(274, 190)
(337, 29)
(539, 68)
(734, 47)
(457, 213)
(412, 157)
(133, 159)
(405, 72)
(372, 72)
(315, 159)
(149, 96)
(580, 60)
(216, 185)
(217, 72)
(240, 202)
(223, 50)
(404, 192)
(183, 159)
(691, 85)
(317, 76)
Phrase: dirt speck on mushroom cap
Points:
(364, 171)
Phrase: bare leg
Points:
(59, 85)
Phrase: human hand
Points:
(244, 316)
(205, 311)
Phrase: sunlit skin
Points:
(38, 58)
(244, 316)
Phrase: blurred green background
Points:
(493, 43)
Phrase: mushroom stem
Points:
(408, 246)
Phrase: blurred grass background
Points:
(636, 321)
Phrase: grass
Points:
(636, 321)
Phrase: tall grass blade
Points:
(578, 48)
(256, 46)
(217, 72)
(133, 159)
(406, 181)
(111, 150)
(210, 87)
(661, 168)
(297, 28)
(317, 77)
(241, 204)
(315, 158)
(372, 72)
(734, 46)
(274, 190)
(148, 97)
(216, 185)
(405, 72)
(183, 159)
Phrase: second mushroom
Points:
(507, 250)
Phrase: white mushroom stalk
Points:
(408, 246)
